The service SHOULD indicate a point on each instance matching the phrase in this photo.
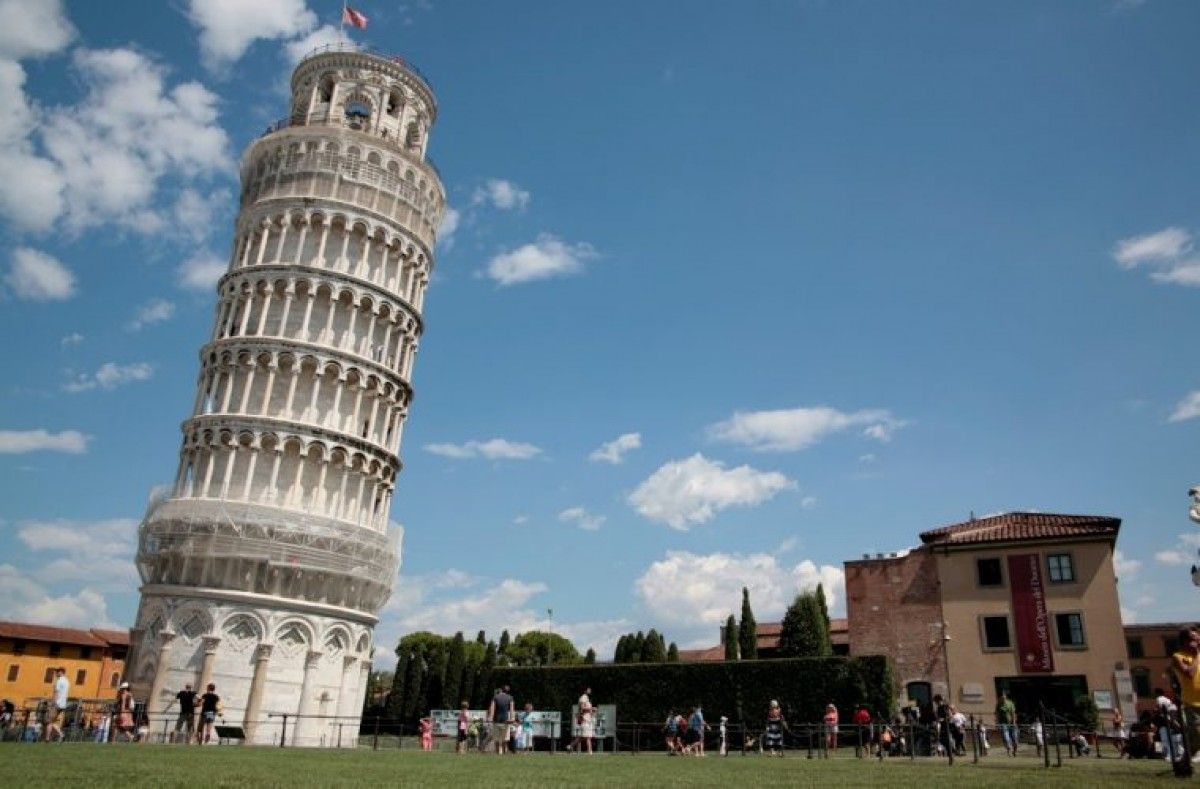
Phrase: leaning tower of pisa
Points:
(265, 563)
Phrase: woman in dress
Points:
(124, 713)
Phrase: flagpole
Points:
(342, 23)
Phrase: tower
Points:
(266, 562)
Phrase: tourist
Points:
(1120, 736)
(1166, 722)
(464, 723)
(672, 734)
(831, 726)
(981, 736)
(1039, 735)
(1006, 720)
(958, 730)
(1185, 663)
(210, 705)
(187, 713)
(124, 717)
(525, 728)
(864, 730)
(426, 733)
(7, 711)
(584, 722)
(696, 728)
(945, 742)
(772, 740)
(51, 730)
(498, 714)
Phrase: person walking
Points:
(585, 723)
(123, 722)
(51, 728)
(696, 729)
(499, 713)
(464, 722)
(772, 741)
(210, 705)
(1186, 664)
(1006, 719)
(830, 720)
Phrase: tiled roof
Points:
(710, 655)
(1018, 526)
(117, 638)
(52, 635)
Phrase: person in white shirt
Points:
(56, 705)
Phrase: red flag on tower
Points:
(354, 17)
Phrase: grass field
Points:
(157, 765)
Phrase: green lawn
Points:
(157, 765)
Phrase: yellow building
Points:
(1022, 603)
(1150, 647)
(94, 661)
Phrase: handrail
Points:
(362, 49)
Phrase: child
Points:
(426, 734)
(525, 731)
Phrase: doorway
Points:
(1058, 693)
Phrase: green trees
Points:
(537, 648)
(730, 634)
(456, 659)
(747, 630)
(805, 629)
(642, 647)
(672, 653)
(590, 657)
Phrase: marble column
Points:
(307, 726)
(154, 702)
(210, 657)
(262, 657)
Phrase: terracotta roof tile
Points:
(710, 655)
(52, 635)
(119, 638)
(1017, 526)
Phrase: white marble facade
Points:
(266, 561)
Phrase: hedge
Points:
(645, 692)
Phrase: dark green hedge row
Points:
(740, 690)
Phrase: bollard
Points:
(1057, 745)
(375, 743)
(339, 744)
(283, 732)
(974, 741)
(912, 743)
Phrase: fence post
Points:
(283, 732)
(1057, 741)
(375, 744)
(858, 747)
(974, 740)
(912, 742)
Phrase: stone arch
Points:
(192, 621)
(293, 635)
(242, 629)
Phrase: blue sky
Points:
(726, 298)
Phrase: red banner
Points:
(1030, 620)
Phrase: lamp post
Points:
(550, 641)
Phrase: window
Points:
(14, 671)
(995, 633)
(1171, 645)
(1070, 630)
(114, 680)
(988, 572)
(80, 676)
(55, 650)
(49, 675)
(1134, 645)
(18, 647)
(85, 653)
(1141, 683)
(1060, 567)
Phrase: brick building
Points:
(1023, 603)
(94, 661)
(1150, 647)
(766, 636)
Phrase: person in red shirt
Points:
(862, 720)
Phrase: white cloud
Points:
(1185, 273)
(788, 430)
(545, 258)
(867, 458)
(201, 271)
(1188, 407)
(1165, 245)
(16, 442)
(501, 194)
(322, 36)
(154, 311)
(808, 502)
(24, 599)
(614, 451)
(689, 589)
(99, 552)
(446, 228)
(1125, 568)
(109, 376)
(1184, 551)
(196, 215)
(582, 518)
(229, 27)
(493, 449)
(33, 28)
(683, 493)
(74, 338)
(520, 520)
(37, 276)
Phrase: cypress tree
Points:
(635, 649)
(590, 657)
(730, 637)
(621, 649)
(452, 686)
(796, 638)
(504, 641)
(414, 689)
(395, 702)
(483, 682)
(653, 649)
(747, 630)
(481, 639)
(672, 653)
(822, 603)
